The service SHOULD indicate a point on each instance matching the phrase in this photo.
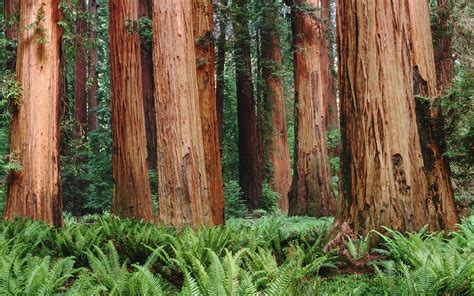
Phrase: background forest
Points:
(260, 250)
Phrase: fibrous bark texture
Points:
(205, 63)
(80, 72)
(382, 46)
(443, 41)
(311, 192)
(182, 179)
(34, 190)
(278, 150)
(250, 173)
(132, 195)
(93, 62)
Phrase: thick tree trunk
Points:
(205, 61)
(278, 150)
(132, 195)
(182, 180)
(93, 62)
(12, 10)
(148, 89)
(220, 65)
(80, 78)
(34, 190)
(443, 41)
(249, 169)
(311, 192)
(382, 46)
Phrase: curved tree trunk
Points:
(278, 150)
(94, 86)
(382, 46)
(182, 179)
(205, 60)
(34, 190)
(80, 78)
(132, 195)
(311, 192)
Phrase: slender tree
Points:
(93, 88)
(250, 173)
(34, 189)
(205, 61)
(274, 97)
(132, 195)
(182, 180)
(12, 10)
(382, 47)
(222, 17)
(80, 70)
(311, 192)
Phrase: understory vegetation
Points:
(274, 255)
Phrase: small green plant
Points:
(11, 91)
(234, 204)
(269, 199)
(38, 26)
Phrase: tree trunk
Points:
(132, 195)
(12, 10)
(381, 47)
(94, 85)
(311, 192)
(249, 174)
(182, 180)
(220, 65)
(80, 78)
(278, 150)
(205, 60)
(148, 89)
(34, 190)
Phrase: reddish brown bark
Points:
(148, 89)
(92, 76)
(34, 190)
(220, 64)
(80, 78)
(278, 150)
(443, 42)
(311, 192)
(205, 60)
(132, 195)
(183, 187)
(382, 46)
(249, 173)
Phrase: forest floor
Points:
(275, 255)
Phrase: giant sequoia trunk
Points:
(182, 180)
(148, 88)
(11, 10)
(383, 45)
(93, 62)
(34, 190)
(278, 150)
(205, 63)
(132, 195)
(80, 79)
(311, 192)
(250, 173)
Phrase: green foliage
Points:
(269, 199)
(234, 204)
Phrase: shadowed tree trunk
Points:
(12, 10)
(249, 169)
(311, 192)
(183, 187)
(278, 150)
(148, 88)
(132, 195)
(205, 61)
(220, 64)
(80, 72)
(94, 86)
(34, 190)
(382, 46)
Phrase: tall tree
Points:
(205, 60)
(148, 87)
(250, 173)
(33, 190)
(182, 180)
(80, 70)
(93, 87)
(382, 46)
(274, 97)
(311, 192)
(132, 195)
(12, 10)
(222, 17)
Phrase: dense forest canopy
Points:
(306, 125)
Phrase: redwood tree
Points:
(93, 88)
(132, 195)
(182, 180)
(311, 192)
(274, 96)
(382, 47)
(250, 173)
(34, 189)
(80, 79)
(205, 61)
(220, 63)
(12, 10)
